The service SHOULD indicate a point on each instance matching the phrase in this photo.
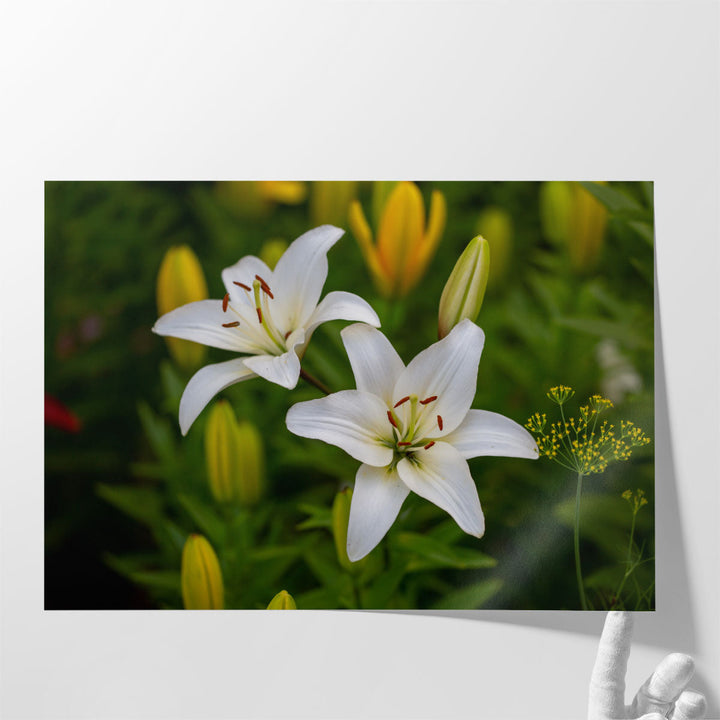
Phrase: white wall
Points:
(331, 90)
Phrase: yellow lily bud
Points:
(464, 291)
(252, 198)
(496, 226)
(251, 479)
(180, 281)
(556, 201)
(272, 251)
(286, 192)
(282, 601)
(200, 576)
(329, 202)
(570, 215)
(233, 457)
(405, 245)
(381, 191)
(340, 518)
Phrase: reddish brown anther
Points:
(439, 419)
(428, 400)
(232, 324)
(400, 402)
(392, 419)
(265, 287)
(429, 445)
(404, 443)
(226, 300)
(287, 334)
(259, 312)
(242, 285)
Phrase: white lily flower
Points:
(267, 315)
(412, 428)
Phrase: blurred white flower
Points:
(618, 377)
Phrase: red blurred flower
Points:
(57, 415)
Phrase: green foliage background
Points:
(123, 494)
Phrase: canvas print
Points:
(349, 395)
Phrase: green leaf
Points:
(173, 386)
(604, 520)
(151, 578)
(205, 518)
(623, 333)
(141, 503)
(320, 517)
(159, 435)
(153, 471)
(317, 599)
(433, 553)
(266, 554)
(170, 537)
(325, 568)
(644, 229)
(471, 597)
(616, 201)
(378, 595)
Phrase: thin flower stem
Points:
(578, 571)
(629, 568)
(357, 597)
(314, 381)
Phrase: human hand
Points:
(662, 696)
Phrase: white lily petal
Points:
(280, 369)
(374, 361)
(447, 369)
(244, 271)
(299, 276)
(378, 495)
(352, 420)
(442, 476)
(202, 322)
(340, 305)
(205, 384)
(487, 433)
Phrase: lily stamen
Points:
(242, 285)
(404, 443)
(265, 287)
(428, 400)
(259, 314)
(231, 324)
(400, 402)
(226, 300)
(440, 422)
(429, 445)
(391, 418)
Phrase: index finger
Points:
(607, 683)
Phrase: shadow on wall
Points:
(671, 626)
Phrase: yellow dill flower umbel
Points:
(584, 445)
(200, 576)
(405, 244)
(180, 281)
